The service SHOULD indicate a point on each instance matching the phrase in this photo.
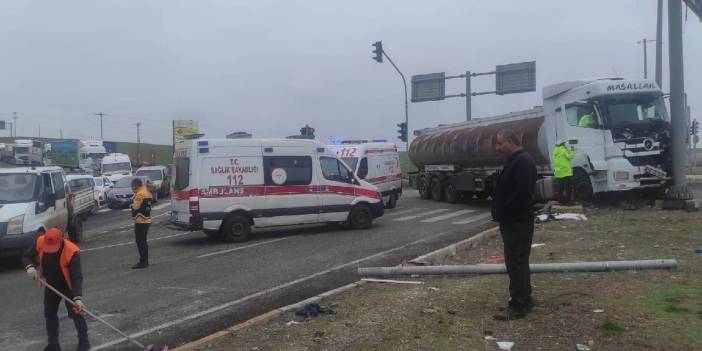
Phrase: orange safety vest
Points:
(69, 249)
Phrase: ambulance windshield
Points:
(350, 161)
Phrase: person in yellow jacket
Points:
(141, 213)
(586, 121)
(563, 170)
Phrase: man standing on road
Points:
(512, 208)
(563, 171)
(141, 213)
(59, 262)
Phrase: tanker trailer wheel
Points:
(582, 187)
(423, 188)
(450, 194)
(437, 189)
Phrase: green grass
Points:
(611, 328)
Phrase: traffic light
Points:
(695, 127)
(402, 131)
(307, 131)
(378, 51)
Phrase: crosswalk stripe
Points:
(393, 213)
(407, 218)
(447, 216)
(474, 218)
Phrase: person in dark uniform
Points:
(141, 213)
(58, 261)
(512, 208)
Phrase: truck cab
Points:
(620, 129)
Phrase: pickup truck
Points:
(34, 199)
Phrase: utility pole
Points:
(101, 115)
(14, 123)
(678, 118)
(659, 45)
(138, 125)
(645, 52)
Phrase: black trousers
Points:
(140, 232)
(517, 238)
(51, 306)
(566, 189)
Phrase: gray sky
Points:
(269, 67)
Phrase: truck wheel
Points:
(582, 188)
(450, 194)
(423, 188)
(437, 191)
(392, 201)
(361, 217)
(236, 228)
(95, 208)
(75, 231)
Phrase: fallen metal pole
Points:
(603, 266)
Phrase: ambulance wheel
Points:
(236, 228)
(392, 201)
(437, 191)
(450, 194)
(361, 217)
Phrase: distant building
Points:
(239, 135)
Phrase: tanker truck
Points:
(619, 129)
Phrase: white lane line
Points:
(473, 219)
(103, 210)
(447, 216)
(126, 209)
(262, 293)
(239, 248)
(131, 242)
(407, 218)
(392, 214)
(163, 205)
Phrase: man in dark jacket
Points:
(512, 208)
(58, 262)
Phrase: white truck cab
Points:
(377, 163)
(32, 200)
(116, 166)
(227, 186)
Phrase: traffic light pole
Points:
(404, 82)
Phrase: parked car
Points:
(159, 176)
(102, 187)
(121, 194)
(85, 185)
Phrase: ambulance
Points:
(377, 163)
(227, 186)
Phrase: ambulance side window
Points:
(363, 168)
(334, 170)
(293, 170)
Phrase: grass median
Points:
(633, 310)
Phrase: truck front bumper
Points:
(15, 245)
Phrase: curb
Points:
(421, 260)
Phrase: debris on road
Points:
(598, 311)
(543, 218)
(292, 323)
(505, 345)
(537, 245)
(432, 288)
(581, 347)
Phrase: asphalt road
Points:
(196, 285)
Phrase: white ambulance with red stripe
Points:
(227, 186)
(377, 163)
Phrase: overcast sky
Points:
(269, 67)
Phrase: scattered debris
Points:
(451, 311)
(537, 245)
(505, 345)
(490, 338)
(433, 288)
(494, 260)
(429, 310)
(697, 250)
(598, 311)
(581, 347)
(312, 310)
(372, 280)
(543, 218)
(292, 323)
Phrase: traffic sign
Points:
(428, 87)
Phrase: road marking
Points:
(407, 218)
(163, 205)
(126, 209)
(473, 219)
(392, 214)
(131, 242)
(239, 248)
(103, 210)
(262, 293)
(447, 216)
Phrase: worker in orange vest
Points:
(57, 261)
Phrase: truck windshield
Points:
(95, 156)
(633, 109)
(350, 161)
(18, 188)
(116, 167)
(21, 150)
(153, 174)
